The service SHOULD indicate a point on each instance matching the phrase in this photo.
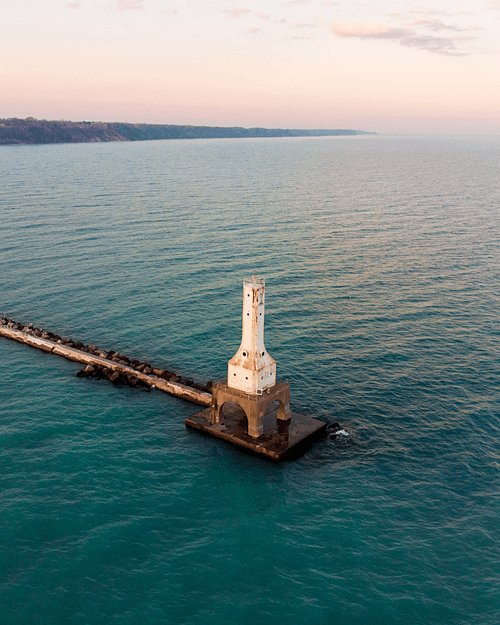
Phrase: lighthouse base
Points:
(280, 438)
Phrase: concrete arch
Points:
(254, 406)
(226, 405)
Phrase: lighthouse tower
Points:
(251, 409)
(251, 369)
(251, 372)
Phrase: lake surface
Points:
(382, 264)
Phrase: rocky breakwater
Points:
(103, 364)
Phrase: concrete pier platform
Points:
(281, 439)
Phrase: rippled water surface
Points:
(382, 263)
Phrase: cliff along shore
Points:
(27, 131)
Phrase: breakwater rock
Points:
(108, 364)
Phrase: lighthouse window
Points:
(234, 374)
(244, 354)
(262, 353)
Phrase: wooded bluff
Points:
(16, 131)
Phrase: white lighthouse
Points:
(251, 409)
(252, 369)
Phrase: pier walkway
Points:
(11, 330)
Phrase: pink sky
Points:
(388, 67)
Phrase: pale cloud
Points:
(74, 5)
(437, 25)
(262, 16)
(134, 5)
(417, 11)
(405, 37)
(368, 30)
(253, 31)
(235, 12)
(303, 26)
(170, 11)
(423, 10)
(438, 45)
(494, 5)
(296, 2)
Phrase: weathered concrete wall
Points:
(47, 345)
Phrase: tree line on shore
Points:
(14, 131)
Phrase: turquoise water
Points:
(381, 258)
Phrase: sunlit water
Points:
(381, 257)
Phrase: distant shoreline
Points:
(31, 131)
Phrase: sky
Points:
(390, 67)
